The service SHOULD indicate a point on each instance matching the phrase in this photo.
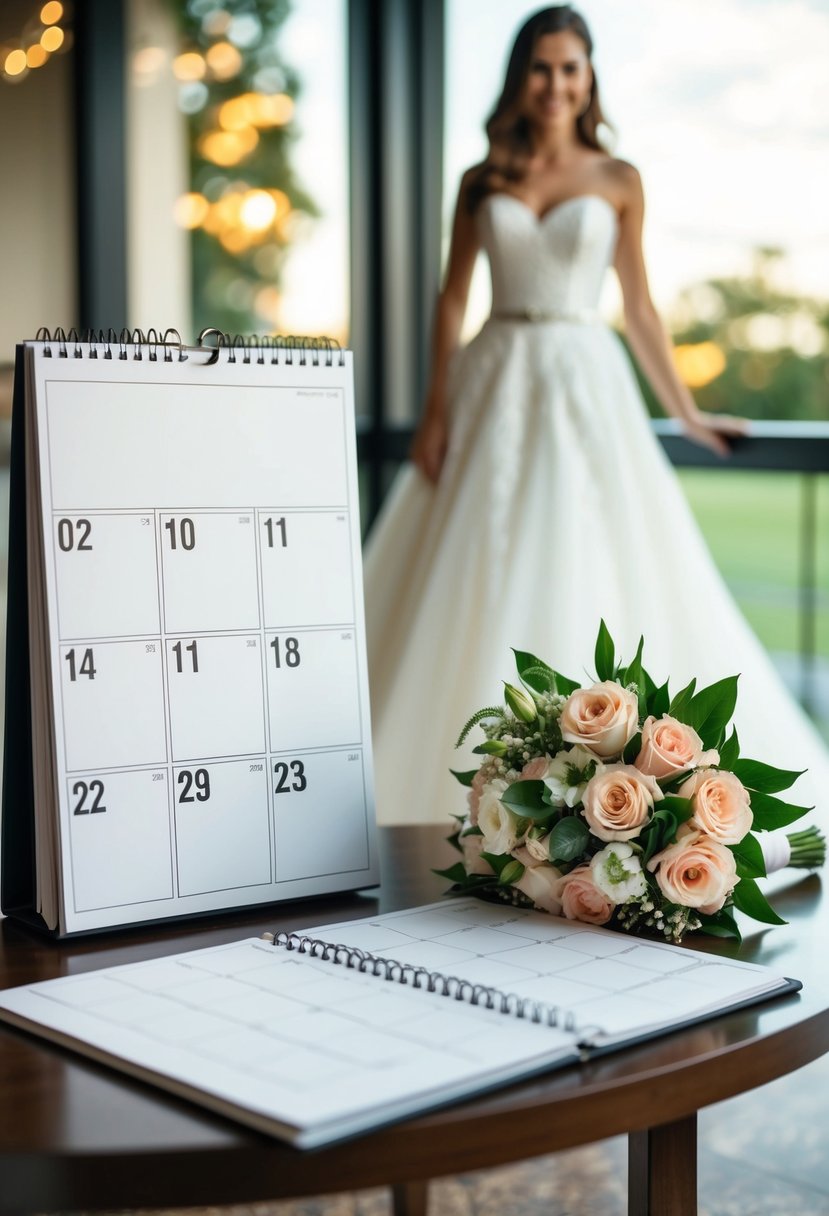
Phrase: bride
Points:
(539, 499)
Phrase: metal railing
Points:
(779, 447)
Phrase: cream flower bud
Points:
(521, 703)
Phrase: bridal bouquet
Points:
(622, 804)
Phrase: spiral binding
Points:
(283, 349)
(432, 981)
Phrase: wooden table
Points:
(74, 1135)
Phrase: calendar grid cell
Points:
(75, 854)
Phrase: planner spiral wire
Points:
(432, 981)
(136, 344)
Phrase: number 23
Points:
(281, 770)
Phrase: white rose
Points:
(617, 871)
(564, 775)
(540, 884)
(496, 822)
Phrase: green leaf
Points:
(565, 685)
(656, 835)
(492, 747)
(464, 778)
(471, 831)
(750, 899)
(489, 711)
(710, 710)
(770, 813)
(511, 872)
(730, 752)
(681, 700)
(721, 924)
(455, 873)
(605, 654)
(568, 839)
(764, 777)
(659, 700)
(498, 861)
(632, 748)
(634, 673)
(749, 857)
(526, 798)
(680, 808)
(534, 672)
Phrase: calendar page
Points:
(201, 552)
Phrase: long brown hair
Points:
(510, 134)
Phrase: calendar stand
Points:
(187, 723)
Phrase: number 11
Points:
(271, 525)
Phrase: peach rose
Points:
(696, 872)
(581, 899)
(473, 846)
(618, 802)
(473, 798)
(535, 770)
(721, 804)
(603, 718)
(669, 747)
(540, 884)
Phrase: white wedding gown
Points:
(556, 506)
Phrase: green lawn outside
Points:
(752, 524)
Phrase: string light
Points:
(41, 38)
(36, 56)
(189, 66)
(52, 38)
(15, 63)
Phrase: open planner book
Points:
(315, 1036)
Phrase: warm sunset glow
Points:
(51, 12)
(189, 66)
(52, 39)
(700, 363)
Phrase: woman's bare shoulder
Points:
(622, 177)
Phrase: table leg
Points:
(662, 1170)
(410, 1198)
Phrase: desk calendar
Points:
(187, 701)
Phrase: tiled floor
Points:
(764, 1154)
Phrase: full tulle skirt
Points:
(556, 507)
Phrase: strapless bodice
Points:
(548, 267)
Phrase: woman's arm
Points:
(430, 442)
(646, 333)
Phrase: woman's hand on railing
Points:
(715, 431)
